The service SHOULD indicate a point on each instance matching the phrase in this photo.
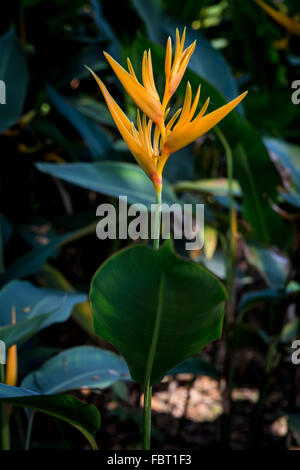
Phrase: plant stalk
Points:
(230, 304)
(147, 416)
(157, 221)
(148, 388)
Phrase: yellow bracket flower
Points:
(281, 18)
(151, 149)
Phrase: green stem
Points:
(148, 387)
(231, 265)
(147, 415)
(229, 362)
(157, 220)
(29, 430)
(5, 434)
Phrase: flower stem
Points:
(5, 435)
(148, 387)
(157, 219)
(147, 415)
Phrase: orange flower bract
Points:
(152, 147)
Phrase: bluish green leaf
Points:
(294, 424)
(82, 366)
(95, 138)
(288, 155)
(196, 366)
(13, 72)
(35, 307)
(273, 266)
(111, 178)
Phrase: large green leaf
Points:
(85, 418)
(82, 366)
(112, 178)
(155, 308)
(13, 72)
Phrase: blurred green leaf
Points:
(82, 366)
(216, 187)
(138, 297)
(35, 307)
(288, 155)
(196, 366)
(105, 28)
(253, 298)
(13, 72)
(273, 266)
(290, 331)
(294, 424)
(111, 178)
(85, 418)
(95, 138)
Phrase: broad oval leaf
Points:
(155, 308)
(82, 366)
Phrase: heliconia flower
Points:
(281, 18)
(11, 374)
(152, 149)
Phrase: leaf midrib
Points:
(156, 329)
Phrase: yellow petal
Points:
(184, 135)
(284, 20)
(140, 95)
(11, 377)
(176, 79)
(168, 60)
(186, 107)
